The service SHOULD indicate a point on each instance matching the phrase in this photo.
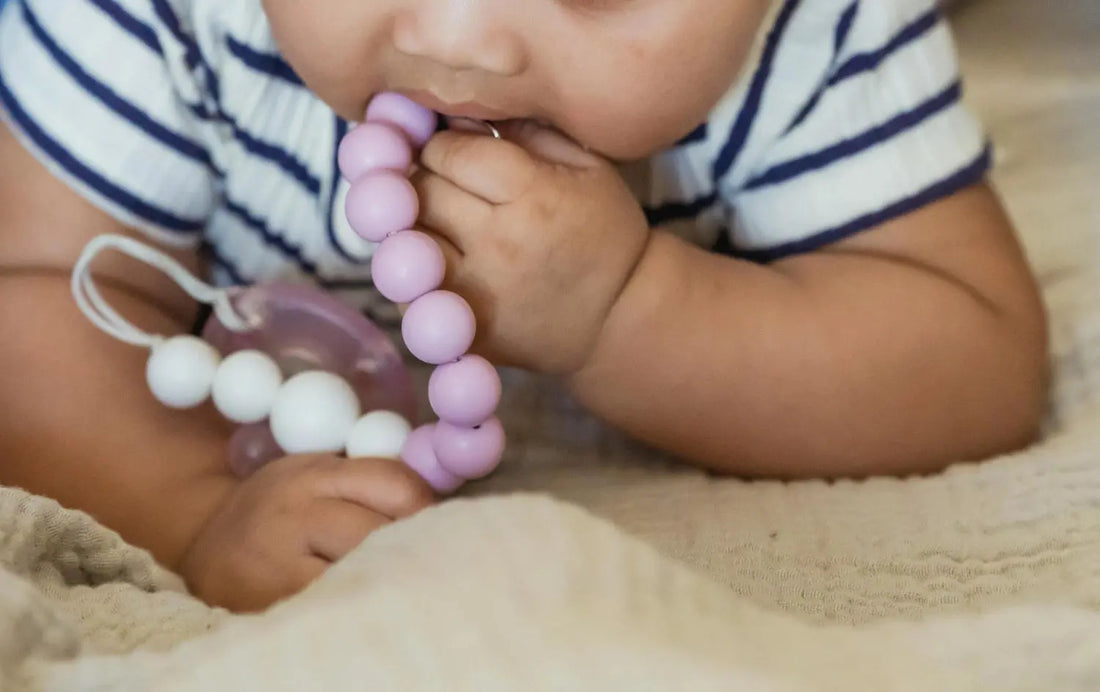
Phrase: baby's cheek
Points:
(334, 46)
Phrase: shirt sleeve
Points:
(101, 94)
(881, 134)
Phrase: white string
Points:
(102, 315)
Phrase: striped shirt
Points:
(179, 118)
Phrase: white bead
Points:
(180, 371)
(378, 435)
(313, 413)
(245, 386)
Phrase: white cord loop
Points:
(102, 315)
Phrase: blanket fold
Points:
(638, 574)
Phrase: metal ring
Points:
(492, 129)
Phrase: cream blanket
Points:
(986, 577)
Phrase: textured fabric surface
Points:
(984, 577)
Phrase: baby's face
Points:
(623, 77)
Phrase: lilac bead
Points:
(416, 121)
(469, 453)
(465, 392)
(381, 203)
(419, 455)
(407, 265)
(438, 327)
(373, 146)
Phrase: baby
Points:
(808, 277)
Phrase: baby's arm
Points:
(897, 350)
(79, 424)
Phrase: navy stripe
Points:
(147, 35)
(850, 147)
(271, 65)
(672, 211)
(220, 260)
(696, 135)
(273, 153)
(112, 100)
(806, 110)
(865, 62)
(230, 268)
(172, 22)
(340, 127)
(840, 38)
(89, 177)
(844, 27)
(963, 178)
(745, 119)
(270, 238)
(131, 24)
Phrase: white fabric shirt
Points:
(180, 118)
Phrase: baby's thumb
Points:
(547, 143)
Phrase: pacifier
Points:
(301, 372)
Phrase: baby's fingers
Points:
(385, 486)
(336, 527)
(495, 170)
(448, 209)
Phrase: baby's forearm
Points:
(80, 426)
(832, 365)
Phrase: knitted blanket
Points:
(592, 563)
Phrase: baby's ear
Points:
(548, 143)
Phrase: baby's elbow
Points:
(1021, 398)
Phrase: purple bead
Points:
(469, 453)
(416, 121)
(373, 146)
(381, 203)
(419, 455)
(438, 327)
(407, 265)
(466, 392)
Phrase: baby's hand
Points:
(284, 525)
(540, 237)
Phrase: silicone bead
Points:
(379, 435)
(407, 265)
(416, 121)
(381, 203)
(419, 455)
(245, 385)
(438, 327)
(180, 371)
(371, 147)
(250, 447)
(304, 328)
(313, 413)
(465, 392)
(469, 453)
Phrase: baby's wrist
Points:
(636, 302)
(198, 504)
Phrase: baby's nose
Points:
(461, 35)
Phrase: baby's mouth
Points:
(469, 110)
